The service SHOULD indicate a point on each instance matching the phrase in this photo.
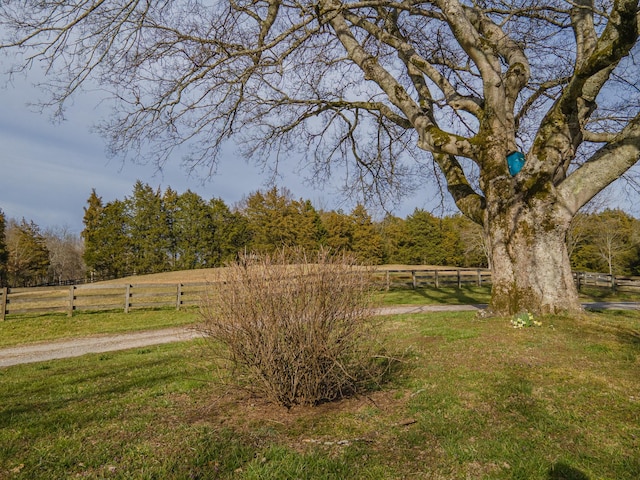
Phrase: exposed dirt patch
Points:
(363, 419)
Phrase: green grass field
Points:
(471, 399)
(20, 329)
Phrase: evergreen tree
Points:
(4, 252)
(425, 239)
(91, 220)
(28, 255)
(194, 232)
(422, 244)
(310, 230)
(231, 232)
(338, 229)
(269, 221)
(275, 220)
(112, 244)
(170, 208)
(367, 241)
(451, 246)
(148, 230)
(394, 234)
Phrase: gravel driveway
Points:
(40, 352)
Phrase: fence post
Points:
(72, 297)
(436, 280)
(178, 296)
(479, 278)
(3, 303)
(387, 280)
(459, 280)
(413, 278)
(127, 298)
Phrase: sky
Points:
(47, 169)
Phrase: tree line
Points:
(154, 231)
(30, 256)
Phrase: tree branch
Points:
(432, 138)
(541, 91)
(519, 71)
(467, 200)
(598, 137)
(584, 30)
(561, 131)
(411, 57)
(604, 166)
(470, 39)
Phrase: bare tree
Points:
(582, 224)
(65, 255)
(385, 86)
(612, 236)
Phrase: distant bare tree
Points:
(475, 246)
(65, 255)
(384, 85)
(613, 239)
(581, 223)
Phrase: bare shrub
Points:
(297, 327)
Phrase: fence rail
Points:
(69, 299)
(98, 297)
(604, 280)
(432, 277)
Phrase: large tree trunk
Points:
(530, 262)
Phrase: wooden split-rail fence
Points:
(95, 297)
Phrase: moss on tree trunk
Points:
(530, 261)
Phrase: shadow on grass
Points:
(76, 399)
(607, 295)
(629, 336)
(444, 295)
(623, 324)
(459, 296)
(562, 471)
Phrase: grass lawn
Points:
(472, 399)
(20, 329)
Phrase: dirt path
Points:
(75, 347)
(40, 352)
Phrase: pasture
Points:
(184, 289)
(470, 399)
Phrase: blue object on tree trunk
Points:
(515, 162)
